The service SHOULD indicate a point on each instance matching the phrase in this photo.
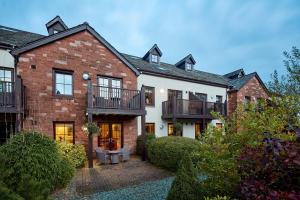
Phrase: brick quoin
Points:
(252, 88)
(80, 52)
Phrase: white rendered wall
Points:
(162, 85)
(6, 59)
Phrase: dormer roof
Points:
(56, 25)
(235, 74)
(154, 50)
(186, 59)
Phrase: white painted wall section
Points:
(6, 59)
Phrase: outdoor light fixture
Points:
(161, 126)
(85, 76)
(161, 90)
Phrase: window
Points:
(176, 93)
(109, 87)
(64, 132)
(150, 128)
(219, 99)
(154, 58)
(197, 130)
(63, 83)
(171, 130)
(188, 66)
(149, 96)
(219, 125)
(201, 96)
(6, 80)
(247, 99)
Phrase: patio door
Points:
(111, 136)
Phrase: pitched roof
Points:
(185, 58)
(81, 27)
(14, 37)
(171, 71)
(154, 47)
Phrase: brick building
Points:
(244, 88)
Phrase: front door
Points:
(110, 137)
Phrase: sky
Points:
(222, 35)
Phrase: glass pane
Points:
(103, 139)
(197, 130)
(103, 81)
(68, 79)
(116, 136)
(7, 75)
(116, 83)
(170, 129)
(59, 89)
(68, 90)
(59, 78)
(64, 133)
(1, 74)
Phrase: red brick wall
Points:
(80, 52)
(252, 88)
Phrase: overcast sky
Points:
(221, 35)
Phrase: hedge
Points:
(31, 163)
(167, 152)
(75, 153)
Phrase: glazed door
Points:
(110, 136)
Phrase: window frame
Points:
(154, 56)
(198, 94)
(64, 72)
(198, 123)
(63, 122)
(150, 123)
(11, 85)
(153, 95)
(176, 92)
(220, 97)
(188, 66)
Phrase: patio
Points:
(104, 178)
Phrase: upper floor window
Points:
(219, 99)
(154, 58)
(176, 93)
(188, 66)
(150, 96)
(201, 96)
(63, 83)
(109, 87)
(6, 78)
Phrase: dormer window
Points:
(188, 66)
(154, 58)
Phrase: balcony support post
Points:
(204, 107)
(174, 109)
(143, 123)
(90, 120)
(18, 102)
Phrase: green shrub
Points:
(186, 185)
(140, 142)
(74, 153)
(167, 152)
(37, 156)
(6, 193)
(217, 198)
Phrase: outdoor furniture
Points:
(102, 156)
(114, 156)
(125, 153)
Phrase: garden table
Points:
(114, 156)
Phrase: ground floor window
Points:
(219, 125)
(197, 130)
(150, 128)
(171, 129)
(64, 132)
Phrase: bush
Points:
(140, 142)
(6, 193)
(186, 185)
(167, 152)
(217, 198)
(32, 161)
(74, 153)
(270, 171)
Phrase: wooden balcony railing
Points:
(12, 96)
(109, 100)
(182, 108)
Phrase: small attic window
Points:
(154, 58)
(188, 67)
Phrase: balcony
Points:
(12, 96)
(115, 101)
(190, 109)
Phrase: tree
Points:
(290, 83)
(186, 185)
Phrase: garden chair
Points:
(102, 157)
(125, 154)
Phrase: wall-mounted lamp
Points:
(85, 76)
(161, 127)
(161, 90)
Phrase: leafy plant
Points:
(91, 128)
(186, 185)
(270, 171)
(177, 128)
(74, 153)
(166, 152)
(140, 144)
(32, 158)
